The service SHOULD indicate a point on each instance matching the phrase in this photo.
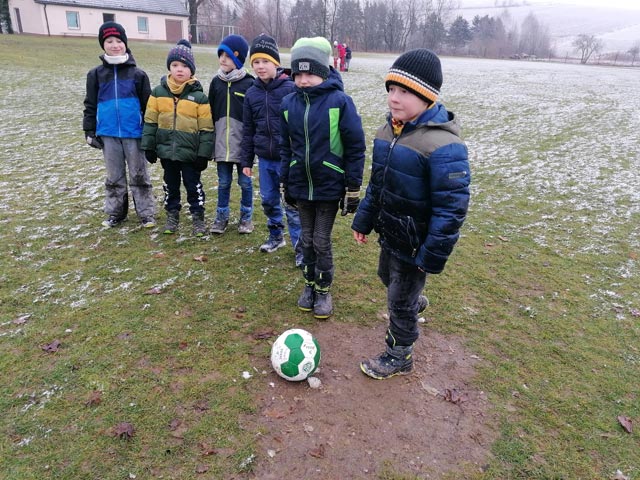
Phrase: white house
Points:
(164, 20)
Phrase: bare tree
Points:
(192, 7)
(587, 45)
(634, 51)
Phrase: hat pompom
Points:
(182, 53)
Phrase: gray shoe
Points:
(219, 226)
(307, 299)
(272, 244)
(199, 227)
(423, 303)
(173, 219)
(148, 222)
(393, 361)
(245, 226)
(323, 304)
(113, 221)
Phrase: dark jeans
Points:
(316, 220)
(173, 172)
(404, 284)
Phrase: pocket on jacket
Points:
(401, 232)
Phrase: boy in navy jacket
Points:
(261, 138)
(322, 152)
(416, 201)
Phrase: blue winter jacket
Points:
(322, 147)
(418, 193)
(261, 118)
(116, 98)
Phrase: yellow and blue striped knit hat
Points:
(419, 71)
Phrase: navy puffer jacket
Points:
(322, 147)
(418, 194)
(261, 118)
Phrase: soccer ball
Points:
(295, 354)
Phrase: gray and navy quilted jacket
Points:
(418, 194)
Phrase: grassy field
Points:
(156, 331)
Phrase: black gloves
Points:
(152, 157)
(288, 199)
(349, 203)
(201, 163)
(93, 140)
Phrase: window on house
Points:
(108, 17)
(73, 20)
(143, 24)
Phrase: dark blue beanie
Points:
(236, 47)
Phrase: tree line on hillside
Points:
(386, 26)
(381, 26)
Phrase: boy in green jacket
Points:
(178, 129)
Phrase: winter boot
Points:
(423, 303)
(199, 227)
(307, 298)
(323, 303)
(173, 219)
(396, 360)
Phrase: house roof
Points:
(169, 7)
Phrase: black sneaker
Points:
(113, 221)
(393, 361)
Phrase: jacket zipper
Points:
(306, 145)
(115, 78)
(228, 120)
(266, 109)
(175, 120)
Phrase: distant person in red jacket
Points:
(342, 53)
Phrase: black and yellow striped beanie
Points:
(419, 71)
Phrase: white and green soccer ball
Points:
(295, 354)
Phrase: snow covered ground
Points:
(554, 152)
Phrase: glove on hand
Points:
(151, 156)
(349, 203)
(288, 199)
(93, 140)
(201, 164)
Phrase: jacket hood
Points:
(436, 117)
(281, 78)
(334, 82)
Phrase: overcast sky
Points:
(613, 4)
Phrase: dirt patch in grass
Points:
(356, 427)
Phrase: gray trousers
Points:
(120, 153)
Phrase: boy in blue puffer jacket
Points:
(117, 94)
(261, 137)
(417, 200)
(322, 152)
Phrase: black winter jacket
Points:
(261, 118)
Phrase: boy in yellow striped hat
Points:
(416, 201)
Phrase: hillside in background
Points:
(619, 29)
